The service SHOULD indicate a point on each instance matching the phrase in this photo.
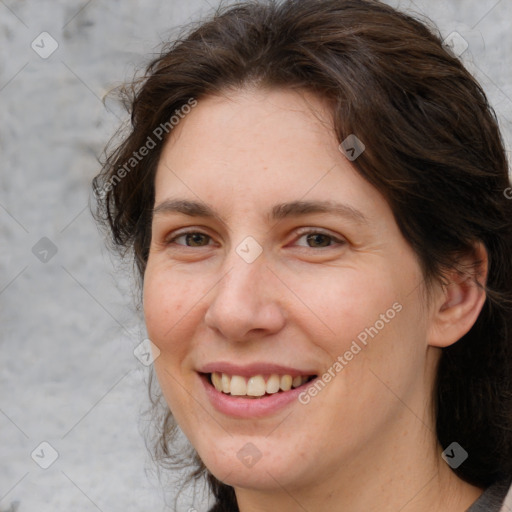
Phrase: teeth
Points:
(226, 384)
(273, 384)
(217, 380)
(255, 386)
(238, 385)
(296, 382)
(286, 382)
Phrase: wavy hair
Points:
(433, 149)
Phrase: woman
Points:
(315, 197)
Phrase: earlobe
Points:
(459, 301)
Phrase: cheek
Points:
(342, 304)
(168, 307)
(368, 317)
(170, 311)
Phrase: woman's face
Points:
(271, 259)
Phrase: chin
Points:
(252, 463)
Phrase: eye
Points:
(191, 239)
(311, 238)
(316, 239)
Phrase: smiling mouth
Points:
(257, 386)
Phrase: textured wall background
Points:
(68, 375)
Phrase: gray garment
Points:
(492, 499)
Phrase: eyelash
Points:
(302, 232)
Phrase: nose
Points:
(245, 302)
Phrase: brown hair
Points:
(433, 149)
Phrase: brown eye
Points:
(318, 240)
(194, 239)
(315, 239)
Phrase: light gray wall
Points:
(68, 375)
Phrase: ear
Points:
(458, 301)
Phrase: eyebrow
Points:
(278, 212)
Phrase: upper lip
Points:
(252, 369)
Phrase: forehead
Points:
(261, 127)
(256, 146)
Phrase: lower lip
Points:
(239, 407)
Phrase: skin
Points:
(365, 442)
